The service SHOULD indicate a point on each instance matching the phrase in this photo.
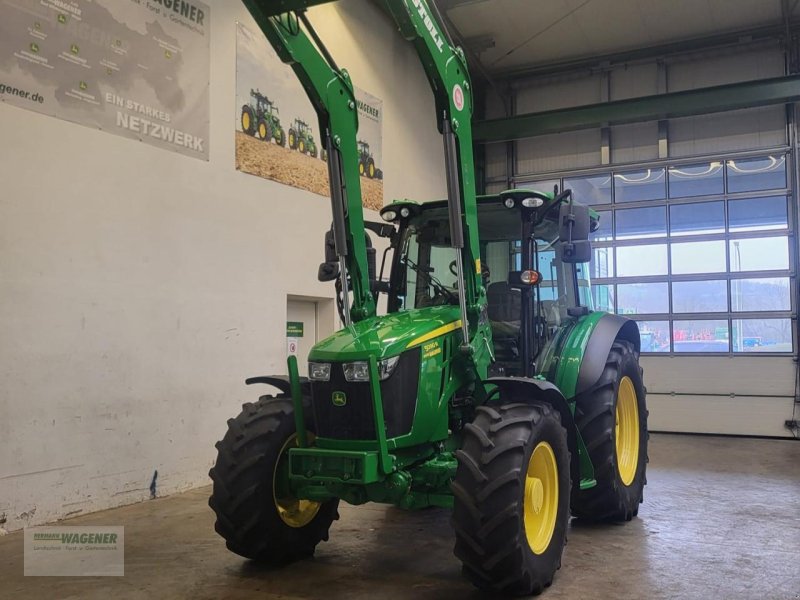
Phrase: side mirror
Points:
(576, 215)
(328, 271)
(575, 252)
(330, 248)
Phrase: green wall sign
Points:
(294, 329)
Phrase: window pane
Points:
(700, 336)
(641, 260)
(760, 254)
(696, 180)
(654, 335)
(545, 186)
(697, 219)
(642, 298)
(762, 335)
(603, 234)
(753, 174)
(649, 184)
(758, 213)
(602, 264)
(699, 296)
(603, 297)
(590, 190)
(768, 293)
(698, 257)
(641, 223)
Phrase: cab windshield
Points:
(425, 269)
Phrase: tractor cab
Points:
(302, 127)
(363, 147)
(533, 250)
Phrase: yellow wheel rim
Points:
(361, 169)
(372, 170)
(262, 131)
(245, 121)
(292, 511)
(540, 507)
(627, 431)
(302, 146)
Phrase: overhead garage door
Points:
(702, 254)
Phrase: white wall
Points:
(138, 288)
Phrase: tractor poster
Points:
(277, 133)
(132, 68)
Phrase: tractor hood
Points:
(387, 335)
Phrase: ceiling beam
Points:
(735, 38)
(764, 92)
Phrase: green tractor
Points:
(490, 387)
(260, 119)
(301, 138)
(366, 163)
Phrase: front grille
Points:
(356, 420)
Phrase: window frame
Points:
(789, 232)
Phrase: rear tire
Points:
(292, 139)
(248, 120)
(254, 523)
(620, 474)
(495, 498)
(371, 168)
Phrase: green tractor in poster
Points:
(366, 162)
(301, 138)
(490, 387)
(260, 119)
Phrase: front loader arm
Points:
(330, 91)
(448, 76)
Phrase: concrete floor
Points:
(721, 519)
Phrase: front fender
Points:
(281, 382)
(523, 389)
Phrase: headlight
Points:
(319, 371)
(356, 371)
(359, 371)
(387, 367)
(388, 215)
(532, 202)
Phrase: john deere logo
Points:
(339, 398)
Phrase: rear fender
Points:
(521, 389)
(608, 329)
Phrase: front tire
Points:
(264, 131)
(512, 490)
(612, 419)
(256, 515)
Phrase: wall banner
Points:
(276, 126)
(136, 68)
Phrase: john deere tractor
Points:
(260, 119)
(301, 138)
(490, 388)
(366, 162)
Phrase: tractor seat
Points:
(505, 310)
